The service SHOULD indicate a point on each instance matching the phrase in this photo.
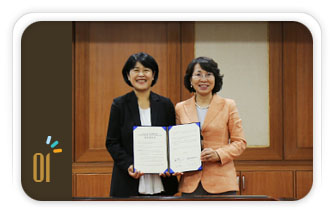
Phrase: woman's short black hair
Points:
(207, 64)
(146, 60)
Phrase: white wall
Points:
(241, 51)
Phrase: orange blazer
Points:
(221, 131)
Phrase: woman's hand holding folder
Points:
(135, 174)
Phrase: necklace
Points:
(202, 107)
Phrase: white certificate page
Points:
(150, 149)
(185, 147)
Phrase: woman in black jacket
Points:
(139, 107)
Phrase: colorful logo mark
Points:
(53, 145)
(38, 163)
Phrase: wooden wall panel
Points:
(304, 181)
(298, 88)
(187, 53)
(92, 185)
(101, 50)
(239, 182)
(73, 185)
(304, 88)
(277, 184)
(173, 70)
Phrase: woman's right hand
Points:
(136, 174)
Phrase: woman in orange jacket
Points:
(221, 129)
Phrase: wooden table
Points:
(178, 198)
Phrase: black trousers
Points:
(201, 191)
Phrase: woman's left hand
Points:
(167, 174)
(164, 175)
(209, 155)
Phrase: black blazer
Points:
(124, 115)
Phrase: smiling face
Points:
(202, 81)
(141, 77)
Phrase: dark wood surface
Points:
(197, 198)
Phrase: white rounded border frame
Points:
(310, 22)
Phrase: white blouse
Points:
(148, 183)
(201, 113)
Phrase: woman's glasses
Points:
(208, 75)
(137, 71)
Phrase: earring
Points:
(192, 88)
